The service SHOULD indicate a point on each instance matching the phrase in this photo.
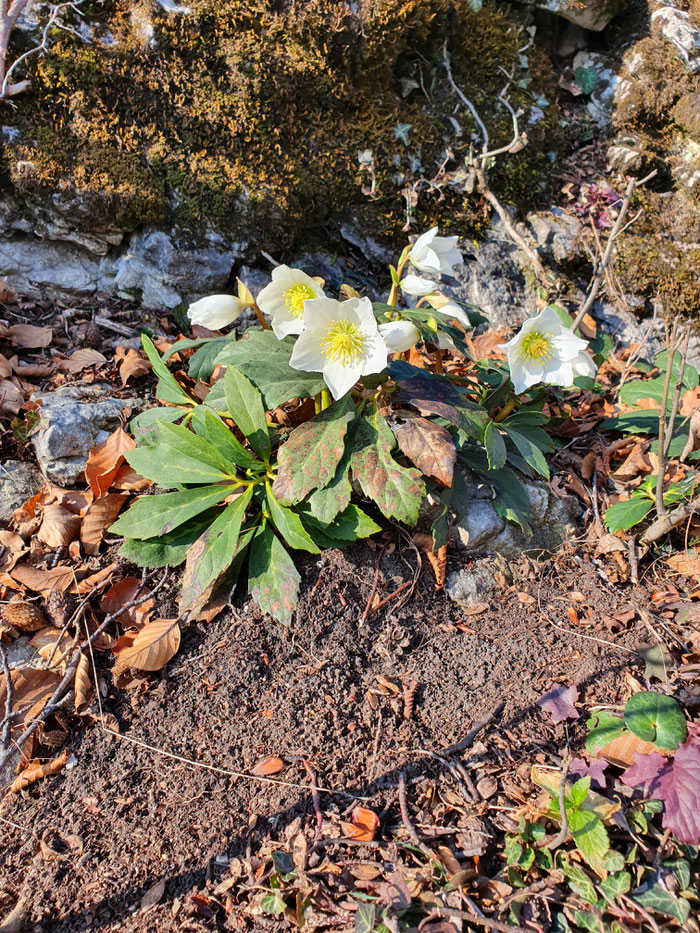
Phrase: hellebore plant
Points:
(247, 485)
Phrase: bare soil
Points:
(90, 842)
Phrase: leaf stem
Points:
(506, 410)
(261, 318)
(325, 399)
(394, 293)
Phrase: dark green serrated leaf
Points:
(310, 456)
(328, 502)
(659, 899)
(168, 389)
(169, 467)
(208, 424)
(397, 490)
(655, 717)
(273, 580)
(495, 446)
(579, 882)
(214, 550)
(202, 363)
(264, 359)
(168, 550)
(289, 525)
(245, 405)
(626, 514)
(531, 442)
(145, 424)
(153, 516)
(184, 443)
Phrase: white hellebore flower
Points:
(449, 309)
(545, 350)
(415, 285)
(283, 299)
(341, 340)
(436, 254)
(216, 311)
(399, 335)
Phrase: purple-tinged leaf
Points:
(594, 768)
(645, 771)
(676, 782)
(559, 703)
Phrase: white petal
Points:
(320, 312)
(584, 365)
(374, 357)
(452, 310)
(399, 336)
(339, 378)
(415, 285)
(215, 311)
(558, 372)
(428, 261)
(423, 241)
(308, 354)
(524, 376)
(568, 345)
(284, 325)
(549, 322)
(362, 308)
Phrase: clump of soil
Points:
(87, 844)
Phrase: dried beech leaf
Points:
(620, 751)
(11, 549)
(269, 765)
(37, 770)
(29, 336)
(59, 526)
(364, 825)
(99, 517)
(149, 649)
(105, 460)
(123, 592)
(54, 646)
(130, 364)
(81, 359)
(82, 684)
(43, 581)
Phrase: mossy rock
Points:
(248, 118)
(686, 114)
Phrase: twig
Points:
(315, 798)
(563, 833)
(633, 559)
(678, 391)
(663, 446)
(115, 326)
(476, 729)
(387, 599)
(632, 184)
(670, 521)
(406, 820)
(447, 912)
(7, 721)
(368, 607)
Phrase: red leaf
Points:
(559, 703)
(677, 784)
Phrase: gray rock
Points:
(470, 587)
(558, 234)
(625, 155)
(481, 531)
(601, 99)
(589, 14)
(18, 482)
(74, 419)
(677, 28)
(20, 654)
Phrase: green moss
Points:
(686, 114)
(249, 116)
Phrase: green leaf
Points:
(657, 898)
(590, 836)
(495, 446)
(512, 850)
(245, 406)
(168, 389)
(579, 882)
(289, 525)
(184, 443)
(146, 423)
(690, 374)
(579, 791)
(171, 465)
(208, 424)
(328, 502)
(153, 516)
(201, 364)
(512, 501)
(310, 456)
(351, 525)
(589, 920)
(168, 550)
(364, 917)
(273, 904)
(273, 580)
(633, 391)
(681, 869)
(397, 490)
(654, 717)
(214, 550)
(626, 514)
(603, 727)
(284, 864)
(586, 78)
(530, 442)
(633, 422)
(264, 359)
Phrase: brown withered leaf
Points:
(105, 460)
(129, 480)
(269, 765)
(82, 684)
(81, 360)
(54, 645)
(11, 549)
(25, 616)
(436, 559)
(37, 770)
(31, 690)
(149, 649)
(685, 562)
(637, 463)
(428, 445)
(11, 396)
(621, 750)
(29, 336)
(130, 364)
(123, 592)
(98, 518)
(43, 581)
(364, 825)
(59, 526)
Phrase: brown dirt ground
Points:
(93, 839)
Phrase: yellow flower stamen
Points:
(537, 347)
(343, 341)
(295, 297)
